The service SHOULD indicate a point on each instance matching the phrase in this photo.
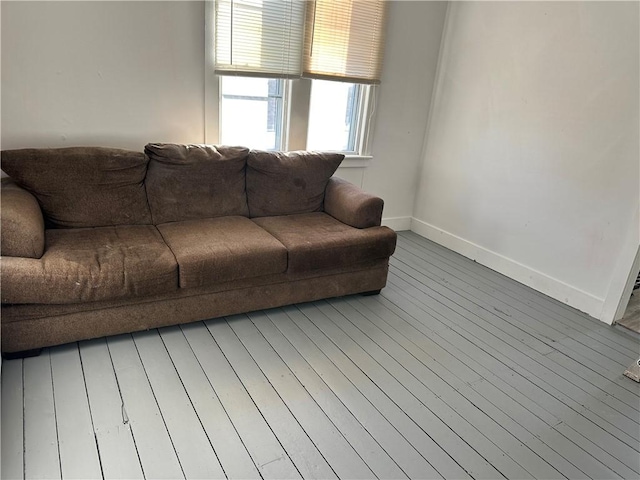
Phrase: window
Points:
(251, 112)
(254, 112)
(333, 116)
(302, 73)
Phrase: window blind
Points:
(259, 37)
(325, 39)
(344, 40)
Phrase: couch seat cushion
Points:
(318, 241)
(91, 264)
(83, 186)
(286, 183)
(215, 250)
(188, 182)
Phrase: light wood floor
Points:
(631, 318)
(453, 371)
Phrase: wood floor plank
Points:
(549, 328)
(344, 460)
(583, 421)
(559, 378)
(486, 318)
(546, 459)
(511, 379)
(155, 449)
(388, 429)
(474, 268)
(226, 441)
(363, 441)
(118, 453)
(479, 294)
(453, 351)
(535, 364)
(626, 401)
(538, 297)
(413, 320)
(604, 357)
(596, 452)
(76, 438)
(622, 330)
(572, 392)
(460, 416)
(302, 451)
(562, 453)
(579, 345)
(597, 436)
(41, 454)
(12, 420)
(195, 452)
(417, 362)
(482, 277)
(424, 406)
(585, 367)
(563, 313)
(509, 382)
(269, 456)
(513, 337)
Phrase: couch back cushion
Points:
(83, 186)
(188, 182)
(286, 183)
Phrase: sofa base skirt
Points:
(32, 333)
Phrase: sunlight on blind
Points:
(344, 40)
(259, 37)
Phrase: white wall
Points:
(531, 163)
(118, 74)
(414, 30)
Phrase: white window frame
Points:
(286, 100)
(297, 100)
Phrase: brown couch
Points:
(99, 241)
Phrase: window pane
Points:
(333, 116)
(251, 112)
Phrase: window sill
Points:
(356, 161)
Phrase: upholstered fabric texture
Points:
(186, 182)
(22, 223)
(91, 264)
(216, 250)
(28, 311)
(317, 241)
(349, 204)
(83, 186)
(99, 241)
(26, 334)
(285, 183)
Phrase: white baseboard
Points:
(539, 281)
(397, 223)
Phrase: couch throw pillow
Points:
(189, 182)
(286, 183)
(83, 186)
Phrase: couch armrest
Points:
(22, 223)
(349, 204)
